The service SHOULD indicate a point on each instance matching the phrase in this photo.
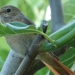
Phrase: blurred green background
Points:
(35, 10)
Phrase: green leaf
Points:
(20, 28)
(17, 28)
(69, 57)
(69, 12)
(1, 63)
(43, 71)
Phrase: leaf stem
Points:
(59, 43)
(47, 37)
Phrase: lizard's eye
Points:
(8, 10)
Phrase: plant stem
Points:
(59, 43)
(63, 31)
(48, 38)
(57, 16)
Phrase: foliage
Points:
(32, 9)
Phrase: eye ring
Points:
(8, 10)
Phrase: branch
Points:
(36, 65)
(56, 14)
(32, 53)
(12, 63)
